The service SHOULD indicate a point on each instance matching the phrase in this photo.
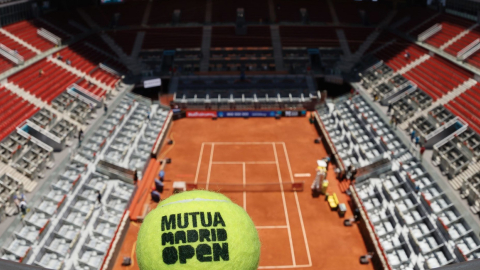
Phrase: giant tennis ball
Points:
(198, 230)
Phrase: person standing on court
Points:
(161, 175)
(158, 185)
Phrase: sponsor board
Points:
(222, 114)
(201, 114)
(294, 113)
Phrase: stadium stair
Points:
(39, 103)
(277, 47)
(22, 42)
(458, 37)
(458, 181)
(206, 44)
(80, 74)
(343, 43)
(443, 100)
(28, 184)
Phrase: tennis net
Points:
(250, 187)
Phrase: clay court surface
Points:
(296, 230)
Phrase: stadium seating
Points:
(125, 39)
(13, 111)
(415, 15)
(13, 45)
(356, 36)
(226, 11)
(191, 11)
(257, 36)
(27, 31)
(308, 36)
(54, 80)
(289, 11)
(172, 38)
(350, 12)
(129, 13)
(63, 19)
(394, 55)
(451, 26)
(436, 77)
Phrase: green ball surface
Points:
(198, 230)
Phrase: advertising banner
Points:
(201, 114)
(247, 114)
(295, 113)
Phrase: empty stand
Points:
(415, 16)
(308, 36)
(288, 10)
(46, 86)
(27, 31)
(172, 38)
(364, 12)
(257, 36)
(394, 55)
(356, 36)
(13, 111)
(129, 14)
(451, 26)
(466, 106)
(64, 19)
(191, 11)
(466, 40)
(125, 39)
(226, 11)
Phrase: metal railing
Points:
(430, 32)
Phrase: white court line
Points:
(244, 192)
(227, 143)
(298, 207)
(303, 175)
(246, 162)
(284, 266)
(199, 162)
(271, 227)
(284, 204)
(210, 166)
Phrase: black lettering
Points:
(217, 220)
(209, 217)
(169, 255)
(167, 238)
(214, 235)
(185, 221)
(220, 252)
(180, 236)
(221, 235)
(169, 223)
(185, 253)
(204, 235)
(194, 218)
(192, 236)
(202, 250)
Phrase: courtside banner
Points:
(201, 114)
(246, 114)
(295, 113)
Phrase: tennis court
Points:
(263, 156)
(263, 170)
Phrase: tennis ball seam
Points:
(195, 200)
